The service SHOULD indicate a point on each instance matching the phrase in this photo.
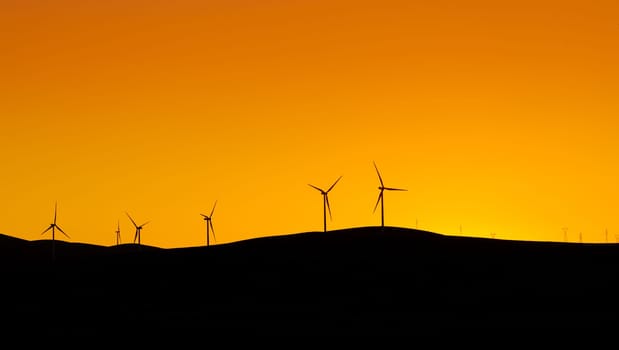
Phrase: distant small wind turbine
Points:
(382, 188)
(118, 233)
(53, 226)
(564, 234)
(606, 233)
(209, 224)
(138, 229)
(325, 202)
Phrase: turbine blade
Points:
(59, 229)
(330, 188)
(328, 206)
(395, 189)
(144, 223)
(212, 230)
(204, 216)
(380, 197)
(137, 232)
(379, 177)
(130, 218)
(319, 189)
(55, 211)
(213, 210)
(47, 229)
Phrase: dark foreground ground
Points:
(350, 282)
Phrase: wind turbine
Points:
(382, 188)
(325, 202)
(53, 226)
(118, 233)
(606, 233)
(209, 224)
(138, 229)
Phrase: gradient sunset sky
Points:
(500, 117)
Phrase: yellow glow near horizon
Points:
(496, 117)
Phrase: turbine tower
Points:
(209, 225)
(138, 229)
(325, 202)
(118, 233)
(53, 226)
(382, 188)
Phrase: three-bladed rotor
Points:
(209, 225)
(380, 199)
(138, 229)
(325, 202)
(53, 226)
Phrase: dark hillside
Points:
(357, 281)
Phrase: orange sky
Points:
(498, 116)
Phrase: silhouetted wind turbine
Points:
(606, 234)
(53, 226)
(325, 202)
(138, 229)
(209, 224)
(118, 233)
(382, 188)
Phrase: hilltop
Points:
(358, 281)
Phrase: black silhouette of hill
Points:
(358, 281)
